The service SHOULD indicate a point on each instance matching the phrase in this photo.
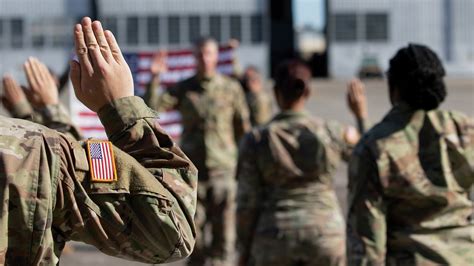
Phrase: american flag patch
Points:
(101, 160)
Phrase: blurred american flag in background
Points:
(181, 65)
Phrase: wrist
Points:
(21, 109)
(122, 113)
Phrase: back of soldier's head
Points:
(417, 73)
(292, 80)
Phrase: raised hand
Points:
(101, 75)
(158, 63)
(42, 86)
(356, 98)
(12, 93)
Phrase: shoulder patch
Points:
(101, 161)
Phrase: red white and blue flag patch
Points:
(101, 161)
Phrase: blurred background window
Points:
(153, 29)
(256, 26)
(345, 27)
(236, 27)
(110, 23)
(376, 27)
(16, 29)
(132, 30)
(215, 27)
(194, 28)
(173, 30)
(1, 34)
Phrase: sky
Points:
(309, 12)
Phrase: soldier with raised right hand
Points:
(287, 209)
(410, 176)
(133, 198)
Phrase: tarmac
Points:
(328, 101)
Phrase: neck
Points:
(295, 107)
(207, 73)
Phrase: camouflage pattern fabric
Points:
(260, 107)
(285, 198)
(214, 118)
(53, 116)
(409, 183)
(48, 198)
(216, 207)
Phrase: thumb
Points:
(75, 74)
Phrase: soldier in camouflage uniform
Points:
(46, 192)
(41, 102)
(258, 101)
(214, 117)
(287, 210)
(410, 175)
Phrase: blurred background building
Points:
(337, 37)
(369, 32)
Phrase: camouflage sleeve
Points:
(249, 195)
(336, 132)
(241, 113)
(52, 116)
(56, 117)
(366, 225)
(147, 214)
(160, 101)
(260, 108)
(22, 110)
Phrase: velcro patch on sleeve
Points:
(101, 161)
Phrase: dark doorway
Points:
(300, 28)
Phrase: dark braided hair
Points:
(417, 72)
(292, 79)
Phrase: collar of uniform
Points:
(289, 114)
(201, 78)
(404, 113)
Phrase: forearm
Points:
(150, 208)
(134, 128)
(22, 110)
(362, 124)
(151, 94)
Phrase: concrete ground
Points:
(328, 101)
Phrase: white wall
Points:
(420, 21)
(181, 6)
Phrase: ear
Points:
(306, 93)
(394, 94)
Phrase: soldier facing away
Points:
(138, 203)
(287, 210)
(214, 118)
(410, 175)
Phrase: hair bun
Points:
(418, 74)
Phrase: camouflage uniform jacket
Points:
(54, 116)
(260, 107)
(409, 182)
(214, 117)
(48, 197)
(285, 176)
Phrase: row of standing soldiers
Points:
(409, 176)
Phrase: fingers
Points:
(114, 47)
(30, 74)
(356, 90)
(91, 43)
(81, 50)
(102, 41)
(75, 74)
